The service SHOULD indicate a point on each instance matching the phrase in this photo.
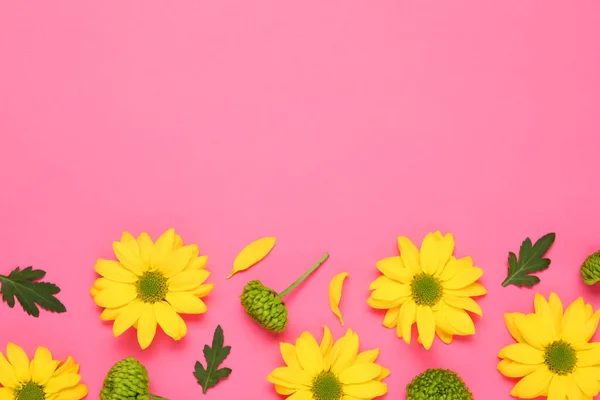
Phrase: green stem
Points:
(155, 397)
(303, 277)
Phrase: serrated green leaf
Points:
(531, 260)
(22, 284)
(211, 375)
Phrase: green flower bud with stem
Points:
(265, 306)
(127, 380)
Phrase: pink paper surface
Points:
(332, 125)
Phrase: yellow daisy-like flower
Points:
(429, 287)
(329, 371)
(42, 378)
(152, 283)
(553, 356)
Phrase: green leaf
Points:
(531, 260)
(211, 375)
(31, 294)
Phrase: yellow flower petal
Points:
(326, 344)
(359, 373)
(435, 252)
(460, 321)
(409, 254)
(146, 246)
(522, 353)
(129, 259)
(301, 395)
(186, 303)
(587, 380)
(116, 296)
(534, 331)
(532, 385)
(197, 262)
(573, 391)
(335, 294)
(169, 320)
(203, 290)
(574, 321)
(473, 290)
(6, 394)
(588, 358)
(252, 254)
(465, 303)
(392, 292)
(309, 354)
(509, 321)
(512, 369)
(73, 393)
(146, 329)
(19, 360)
(284, 390)
(366, 390)
(288, 353)
(110, 314)
(60, 382)
(177, 242)
(557, 310)
(163, 247)
(114, 271)
(367, 356)
(42, 366)
(557, 390)
(384, 374)
(8, 376)
(187, 280)
(294, 378)
(426, 325)
(128, 316)
(391, 317)
(129, 241)
(394, 268)
(453, 266)
(177, 260)
(384, 305)
(408, 316)
(344, 352)
(68, 367)
(463, 278)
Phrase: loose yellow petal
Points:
(533, 385)
(42, 366)
(146, 329)
(252, 254)
(394, 268)
(128, 316)
(169, 320)
(366, 390)
(426, 325)
(359, 373)
(335, 294)
(114, 271)
(18, 358)
(522, 353)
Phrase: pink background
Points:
(332, 125)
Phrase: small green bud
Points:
(127, 380)
(436, 384)
(590, 270)
(264, 306)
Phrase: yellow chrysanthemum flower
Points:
(553, 356)
(329, 371)
(41, 379)
(152, 283)
(429, 287)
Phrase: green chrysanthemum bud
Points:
(437, 384)
(590, 270)
(127, 380)
(265, 306)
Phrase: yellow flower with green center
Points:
(329, 371)
(150, 284)
(429, 287)
(553, 356)
(42, 378)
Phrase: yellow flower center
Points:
(326, 386)
(152, 287)
(30, 391)
(426, 289)
(560, 357)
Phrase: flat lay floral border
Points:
(150, 284)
